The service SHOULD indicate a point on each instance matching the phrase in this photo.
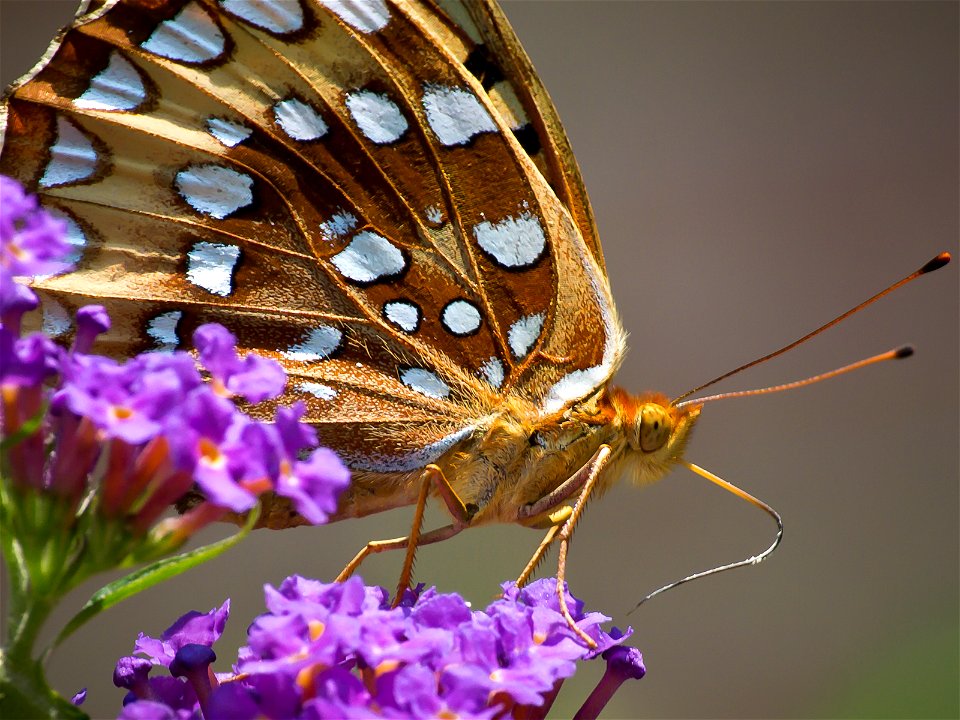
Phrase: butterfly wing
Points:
(332, 182)
(497, 59)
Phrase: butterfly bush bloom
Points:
(94, 451)
(32, 242)
(341, 651)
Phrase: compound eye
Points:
(655, 427)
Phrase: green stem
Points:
(24, 692)
(25, 627)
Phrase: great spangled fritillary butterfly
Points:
(377, 194)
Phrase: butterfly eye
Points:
(654, 426)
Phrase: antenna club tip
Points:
(938, 262)
(903, 352)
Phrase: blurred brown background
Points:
(755, 169)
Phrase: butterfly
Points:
(380, 196)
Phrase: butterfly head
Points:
(656, 433)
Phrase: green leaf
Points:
(147, 577)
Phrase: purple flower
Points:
(29, 361)
(32, 242)
(148, 710)
(16, 299)
(233, 702)
(193, 662)
(120, 403)
(92, 320)
(340, 650)
(314, 484)
(194, 628)
(162, 426)
(623, 663)
(132, 673)
(252, 377)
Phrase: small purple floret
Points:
(16, 299)
(253, 377)
(131, 673)
(92, 320)
(190, 658)
(233, 702)
(28, 361)
(314, 485)
(626, 661)
(147, 710)
(32, 241)
(192, 628)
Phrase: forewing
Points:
(330, 181)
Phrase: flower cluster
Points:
(160, 425)
(94, 451)
(339, 650)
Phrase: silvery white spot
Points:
(278, 16)
(72, 157)
(524, 333)
(117, 87)
(377, 116)
(320, 342)
(367, 16)
(215, 190)
(461, 317)
(338, 225)
(369, 257)
(425, 382)
(192, 36)
(298, 120)
(163, 329)
(573, 386)
(405, 315)
(228, 132)
(433, 215)
(76, 237)
(56, 321)
(493, 371)
(455, 114)
(210, 266)
(580, 383)
(324, 392)
(379, 462)
(513, 242)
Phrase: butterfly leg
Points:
(557, 519)
(562, 524)
(433, 478)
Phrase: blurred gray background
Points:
(756, 168)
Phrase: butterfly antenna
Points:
(895, 354)
(752, 560)
(935, 264)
